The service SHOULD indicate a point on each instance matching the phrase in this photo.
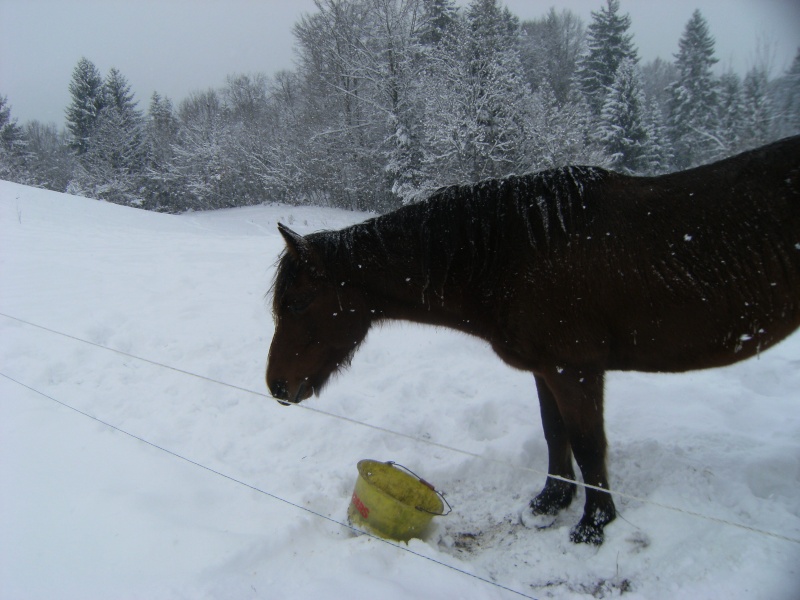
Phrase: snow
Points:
(87, 511)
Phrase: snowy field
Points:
(88, 512)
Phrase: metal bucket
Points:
(392, 502)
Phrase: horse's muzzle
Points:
(280, 391)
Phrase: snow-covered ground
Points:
(89, 512)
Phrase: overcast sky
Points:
(175, 47)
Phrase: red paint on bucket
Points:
(360, 507)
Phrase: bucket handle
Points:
(428, 485)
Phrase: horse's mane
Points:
(472, 220)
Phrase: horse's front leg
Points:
(578, 395)
(557, 494)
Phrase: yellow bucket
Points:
(392, 502)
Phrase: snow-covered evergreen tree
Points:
(112, 163)
(658, 155)
(693, 106)
(12, 146)
(757, 113)
(121, 121)
(11, 134)
(609, 45)
(657, 77)
(622, 128)
(730, 112)
(161, 133)
(88, 98)
(786, 101)
(162, 128)
(437, 17)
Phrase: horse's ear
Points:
(298, 246)
(295, 243)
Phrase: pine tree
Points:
(657, 77)
(121, 124)
(12, 146)
(113, 159)
(693, 105)
(787, 101)
(162, 129)
(88, 98)
(118, 94)
(162, 134)
(10, 131)
(792, 108)
(609, 45)
(622, 129)
(492, 25)
(437, 17)
(756, 108)
(730, 112)
(658, 155)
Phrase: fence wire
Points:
(388, 431)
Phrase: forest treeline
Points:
(391, 99)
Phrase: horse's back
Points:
(724, 280)
(688, 270)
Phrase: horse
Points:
(566, 273)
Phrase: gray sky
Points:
(175, 47)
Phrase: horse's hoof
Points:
(555, 497)
(584, 533)
(533, 520)
(589, 529)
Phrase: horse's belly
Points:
(701, 343)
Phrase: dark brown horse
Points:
(567, 274)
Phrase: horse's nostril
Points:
(279, 390)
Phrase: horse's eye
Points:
(299, 306)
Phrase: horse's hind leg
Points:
(579, 397)
(557, 494)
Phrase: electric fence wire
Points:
(415, 438)
(265, 492)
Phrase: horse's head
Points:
(320, 319)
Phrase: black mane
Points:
(471, 222)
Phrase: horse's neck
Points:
(406, 275)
